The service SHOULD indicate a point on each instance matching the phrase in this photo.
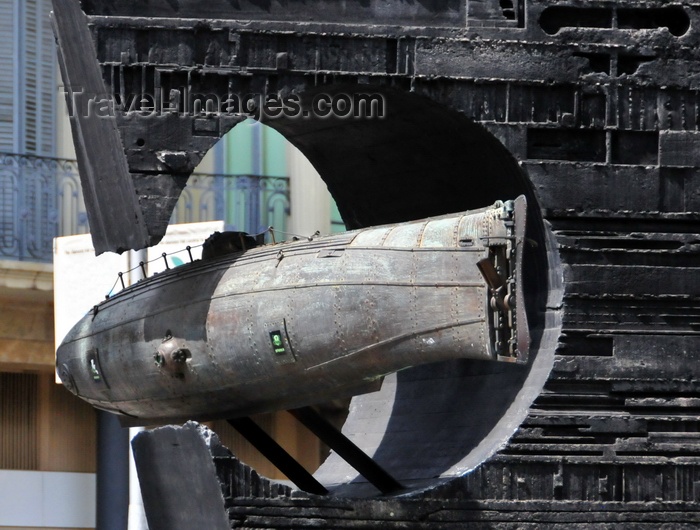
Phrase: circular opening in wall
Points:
(431, 423)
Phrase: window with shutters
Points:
(18, 421)
(28, 81)
(43, 427)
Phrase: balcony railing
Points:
(248, 203)
(41, 198)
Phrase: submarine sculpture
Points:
(286, 325)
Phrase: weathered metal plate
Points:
(179, 485)
(287, 325)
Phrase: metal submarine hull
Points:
(291, 324)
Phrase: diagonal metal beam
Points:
(280, 458)
(347, 450)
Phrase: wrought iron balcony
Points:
(41, 198)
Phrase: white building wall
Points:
(47, 500)
(310, 199)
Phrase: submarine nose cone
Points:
(64, 373)
(66, 356)
(71, 357)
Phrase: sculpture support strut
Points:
(282, 460)
(347, 450)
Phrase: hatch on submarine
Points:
(286, 325)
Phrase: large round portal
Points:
(433, 422)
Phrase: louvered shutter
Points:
(39, 79)
(27, 78)
(8, 61)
